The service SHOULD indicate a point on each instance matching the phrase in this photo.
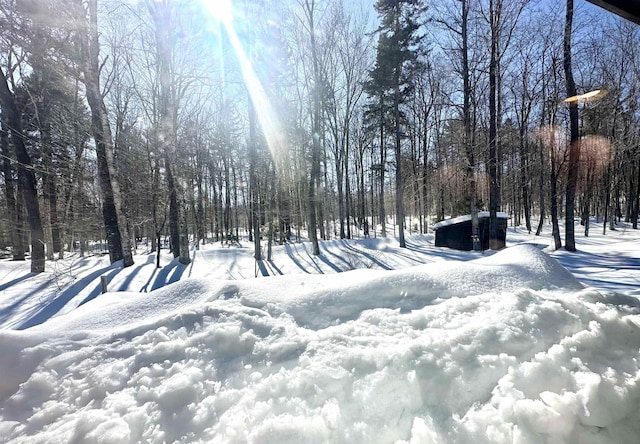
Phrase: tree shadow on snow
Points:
(16, 281)
(588, 267)
(410, 259)
(348, 265)
(50, 308)
(98, 289)
(443, 252)
(133, 273)
(262, 268)
(333, 266)
(294, 256)
(8, 311)
(372, 258)
(312, 260)
(612, 260)
(274, 267)
(169, 274)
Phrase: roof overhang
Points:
(629, 9)
(466, 218)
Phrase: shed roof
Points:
(467, 217)
(629, 9)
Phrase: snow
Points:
(417, 345)
(466, 218)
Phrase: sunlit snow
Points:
(417, 345)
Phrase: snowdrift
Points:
(508, 348)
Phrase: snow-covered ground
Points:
(416, 345)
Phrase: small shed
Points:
(456, 233)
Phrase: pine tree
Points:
(391, 81)
(27, 183)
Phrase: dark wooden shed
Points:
(456, 233)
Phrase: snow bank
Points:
(347, 295)
(508, 348)
(317, 301)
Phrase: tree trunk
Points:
(339, 182)
(348, 200)
(184, 256)
(254, 195)
(466, 118)
(635, 212)
(49, 175)
(494, 184)
(75, 179)
(383, 156)
(524, 178)
(115, 225)
(398, 145)
(48, 187)
(574, 147)
(27, 184)
(425, 177)
(399, 190)
(161, 13)
(17, 247)
(315, 143)
(554, 209)
(362, 195)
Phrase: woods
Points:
(174, 123)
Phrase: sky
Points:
(365, 343)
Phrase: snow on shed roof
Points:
(467, 217)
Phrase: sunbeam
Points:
(222, 12)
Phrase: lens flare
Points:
(554, 139)
(590, 96)
(222, 11)
(596, 151)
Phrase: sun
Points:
(220, 10)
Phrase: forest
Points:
(172, 123)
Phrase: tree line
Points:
(193, 122)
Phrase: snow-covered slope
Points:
(315, 301)
(507, 348)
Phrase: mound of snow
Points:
(316, 301)
(347, 295)
(504, 349)
(124, 309)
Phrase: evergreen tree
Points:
(391, 81)
(27, 182)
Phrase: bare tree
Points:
(502, 22)
(115, 224)
(346, 72)
(466, 121)
(574, 147)
(309, 8)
